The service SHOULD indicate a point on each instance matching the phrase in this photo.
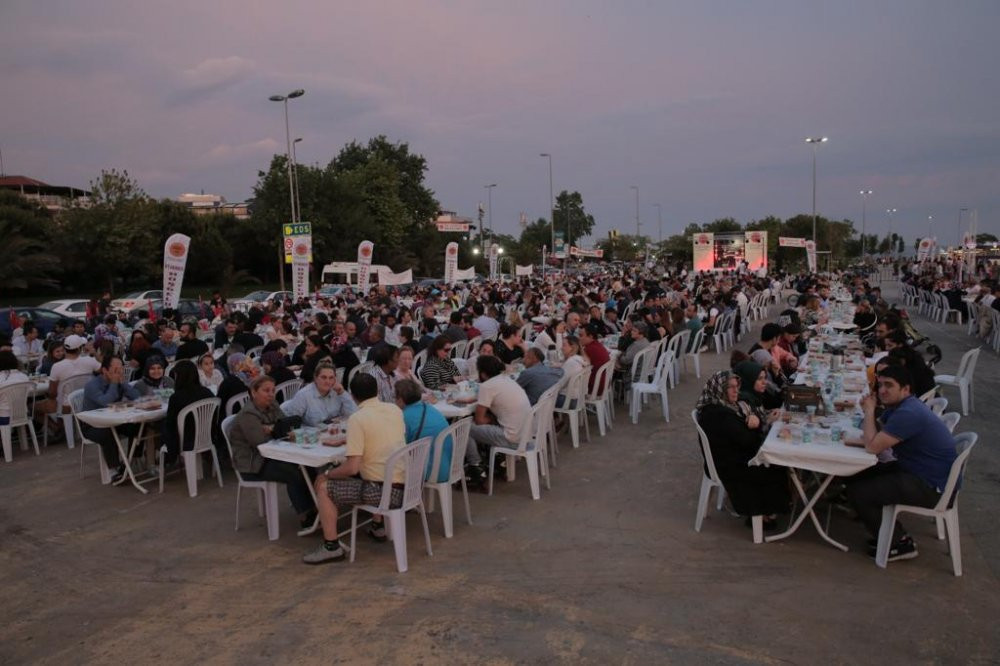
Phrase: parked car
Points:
(259, 297)
(130, 301)
(188, 307)
(69, 308)
(43, 318)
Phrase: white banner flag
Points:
(450, 263)
(575, 251)
(365, 250)
(704, 251)
(811, 255)
(494, 260)
(465, 273)
(787, 241)
(388, 278)
(524, 270)
(924, 249)
(175, 255)
(301, 251)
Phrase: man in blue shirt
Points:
(924, 451)
(422, 420)
(103, 390)
(537, 378)
(321, 401)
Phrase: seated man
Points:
(638, 333)
(537, 378)
(102, 390)
(191, 346)
(502, 410)
(421, 421)
(374, 433)
(166, 344)
(924, 451)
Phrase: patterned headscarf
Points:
(714, 392)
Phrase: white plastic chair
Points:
(711, 480)
(365, 367)
(951, 420)
(673, 349)
(642, 367)
(945, 511)
(267, 491)
(530, 447)
(720, 334)
(963, 379)
(695, 354)
(287, 390)
(472, 346)
(600, 397)
(254, 352)
(459, 433)
(236, 403)
(76, 406)
(973, 319)
(947, 310)
(413, 458)
(458, 349)
(66, 387)
(17, 397)
(418, 361)
(574, 393)
(657, 386)
(204, 413)
(938, 405)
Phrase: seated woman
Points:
(424, 421)
(235, 382)
(404, 365)
(439, 370)
(251, 428)
(273, 365)
(551, 338)
(208, 375)
(753, 392)
(55, 353)
(734, 437)
(321, 401)
(315, 351)
(138, 349)
(153, 377)
(187, 390)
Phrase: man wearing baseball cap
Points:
(75, 363)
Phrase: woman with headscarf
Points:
(753, 391)
(273, 365)
(236, 381)
(734, 439)
(154, 376)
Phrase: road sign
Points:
(297, 229)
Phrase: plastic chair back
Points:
(661, 375)
(938, 405)
(227, 427)
(968, 364)
(459, 433)
(458, 349)
(697, 341)
(951, 420)
(236, 403)
(287, 390)
(419, 360)
(254, 352)
(203, 412)
(602, 382)
(17, 397)
(642, 364)
(70, 384)
(706, 451)
(365, 367)
(413, 458)
(963, 446)
(472, 346)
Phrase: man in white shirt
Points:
(75, 363)
(502, 410)
(488, 326)
(27, 344)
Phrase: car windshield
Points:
(52, 305)
(132, 296)
(256, 296)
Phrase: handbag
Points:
(285, 425)
(797, 398)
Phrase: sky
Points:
(702, 105)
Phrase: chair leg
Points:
(446, 509)
(885, 536)
(271, 511)
(431, 494)
(465, 495)
(963, 389)
(531, 460)
(238, 488)
(574, 428)
(586, 421)
(427, 531)
(634, 406)
(954, 544)
(67, 420)
(192, 462)
(600, 418)
(354, 530)
(699, 516)
(397, 527)
(490, 480)
(664, 401)
(218, 468)
(34, 438)
(159, 464)
(697, 366)
(7, 435)
(758, 528)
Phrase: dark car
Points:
(188, 308)
(43, 318)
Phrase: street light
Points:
(489, 212)
(864, 201)
(295, 172)
(552, 210)
(892, 241)
(960, 211)
(636, 188)
(815, 141)
(288, 162)
(659, 220)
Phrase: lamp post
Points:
(295, 172)
(960, 211)
(892, 241)
(815, 141)
(288, 162)
(489, 209)
(864, 215)
(552, 211)
(659, 222)
(637, 223)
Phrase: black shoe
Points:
(904, 549)
(309, 520)
(119, 476)
(377, 532)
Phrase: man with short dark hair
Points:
(225, 334)
(455, 332)
(596, 352)
(374, 433)
(191, 346)
(502, 410)
(376, 338)
(924, 450)
(537, 378)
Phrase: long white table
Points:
(113, 418)
(304, 455)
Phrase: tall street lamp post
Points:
(552, 212)
(295, 172)
(892, 241)
(288, 162)
(659, 222)
(489, 207)
(815, 141)
(636, 188)
(864, 218)
(960, 211)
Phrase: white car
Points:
(70, 308)
(129, 301)
(259, 297)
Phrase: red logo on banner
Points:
(366, 251)
(302, 249)
(702, 239)
(755, 237)
(452, 250)
(177, 250)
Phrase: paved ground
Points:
(605, 568)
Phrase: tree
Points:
(722, 225)
(626, 247)
(533, 237)
(571, 217)
(987, 238)
(25, 258)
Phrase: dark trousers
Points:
(106, 440)
(290, 475)
(885, 484)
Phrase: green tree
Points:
(571, 215)
(25, 258)
(987, 238)
(533, 237)
(722, 225)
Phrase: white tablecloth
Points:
(109, 418)
(453, 411)
(821, 455)
(311, 455)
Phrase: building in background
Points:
(207, 204)
(53, 197)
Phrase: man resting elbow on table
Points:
(106, 388)
(374, 433)
(924, 451)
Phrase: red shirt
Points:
(473, 332)
(598, 355)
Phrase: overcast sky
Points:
(703, 105)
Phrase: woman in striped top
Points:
(439, 369)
